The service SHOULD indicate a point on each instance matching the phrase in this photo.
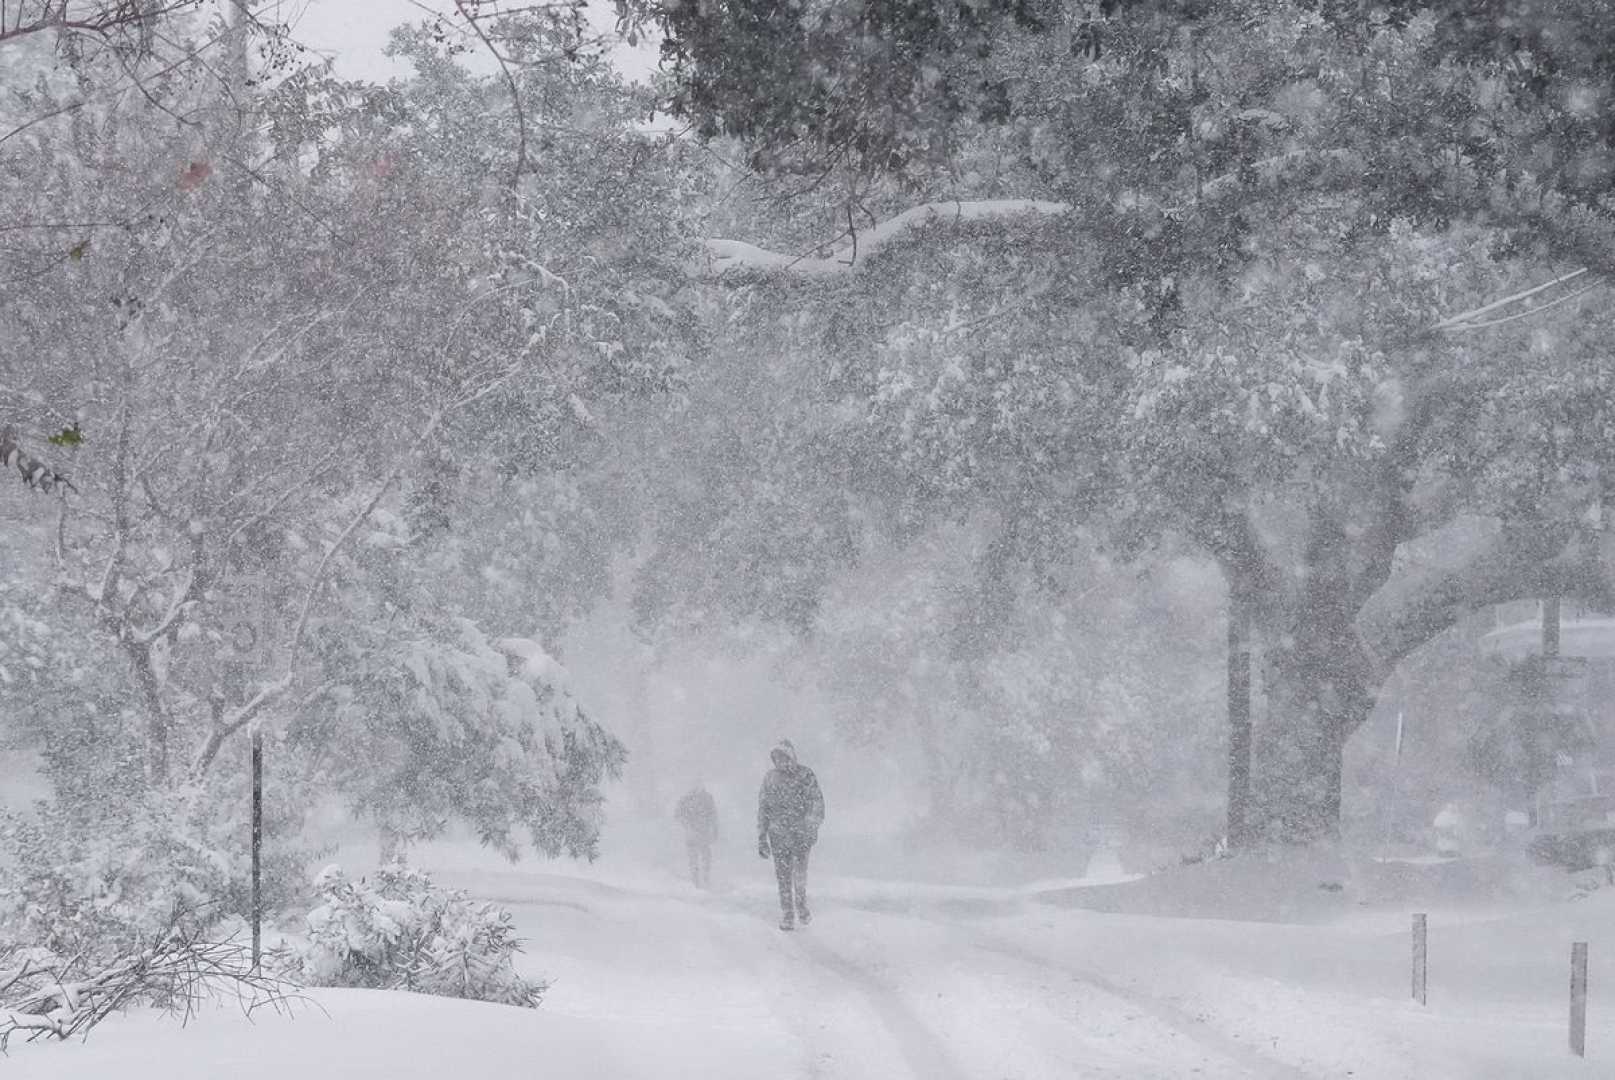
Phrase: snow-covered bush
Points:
(97, 884)
(400, 931)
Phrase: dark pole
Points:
(1578, 998)
(1239, 721)
(1550, 627)
(1421, 958)
(257, 846)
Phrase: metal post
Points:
(1578, 998)
(1421, 957)
(1239, 721)
(1550, 627)
(257, 846)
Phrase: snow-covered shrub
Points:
(400, 931)
(98, 883)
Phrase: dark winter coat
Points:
(698, 813)
(790, 807)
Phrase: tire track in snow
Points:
(920, 1047)
(745, 958)
(1246, 1057)
(1225, 1048)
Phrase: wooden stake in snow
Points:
(1578, 998)
(257, 846)
(1421, 954)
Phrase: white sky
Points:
(355, 32)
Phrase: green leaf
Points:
(68, 436)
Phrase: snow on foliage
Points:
(401, 932)
(444, 724)
(82, 883)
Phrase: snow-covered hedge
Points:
(399, 931)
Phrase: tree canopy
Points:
(1266, 275)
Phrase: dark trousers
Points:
(790, 867)
(700, 852)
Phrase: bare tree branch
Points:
(520, 165)
(104, 20)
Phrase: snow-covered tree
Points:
(1233, 281)
(322, 390)
(427, 724)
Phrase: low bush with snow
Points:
(97, 882)
(400, 931)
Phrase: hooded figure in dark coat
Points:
(790, 808)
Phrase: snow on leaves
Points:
(445, 724)
(401, 932)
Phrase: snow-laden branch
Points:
(238, 719)
(16, 1021)
(1520, 561)
(183, 596)
(1329, 166)
(35, 473)
(727, 257)
(1473, 320)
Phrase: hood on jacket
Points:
(783, 754)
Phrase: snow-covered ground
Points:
(653, 979)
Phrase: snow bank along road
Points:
(654, 980)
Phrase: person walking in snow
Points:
(698, 813)
(790, 809)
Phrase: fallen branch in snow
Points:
(48, 996)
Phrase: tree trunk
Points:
(1316, 698)
(156, 715)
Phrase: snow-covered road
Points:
(653, 980)
(893, 981)
(860, 994)
(912, 989)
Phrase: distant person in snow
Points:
(790, 809)
(699, 816)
